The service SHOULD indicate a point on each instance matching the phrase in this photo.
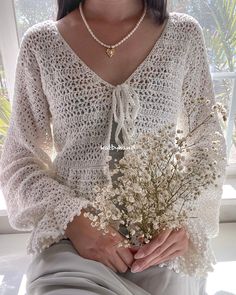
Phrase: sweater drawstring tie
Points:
(123, 97)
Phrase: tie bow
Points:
(125, 106)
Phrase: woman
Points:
(70, 78)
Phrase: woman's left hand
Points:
(163, 247)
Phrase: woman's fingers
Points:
(126, 255)
(118, 262)
(176, 242)
(134, 250)
(123, 253)
(153, 244)
(176, 237)
(140, 263)
(166, 255)
(169, 253)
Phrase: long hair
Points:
(157, 8)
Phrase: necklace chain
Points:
(110, 49)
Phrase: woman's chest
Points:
(76, 93)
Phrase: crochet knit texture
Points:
(61, 105)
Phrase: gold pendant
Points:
(110, 51)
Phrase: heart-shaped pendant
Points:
(110, 51)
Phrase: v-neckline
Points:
(137, 69)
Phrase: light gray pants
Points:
(60, 270)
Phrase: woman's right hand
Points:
(90, 243)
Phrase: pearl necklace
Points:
(110, 49)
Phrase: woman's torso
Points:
(81, 102)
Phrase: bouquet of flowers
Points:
(161, 178)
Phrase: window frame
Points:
(231, 114)
(9, 35)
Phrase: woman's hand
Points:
(163, 247)
(90, 243)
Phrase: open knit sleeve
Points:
(35, 199)
(198, 83)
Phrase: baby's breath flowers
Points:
(161, 179)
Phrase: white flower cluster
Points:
(160, 183)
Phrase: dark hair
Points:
(157, 8)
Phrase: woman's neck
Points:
(112, 11)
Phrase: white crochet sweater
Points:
(59, 102)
